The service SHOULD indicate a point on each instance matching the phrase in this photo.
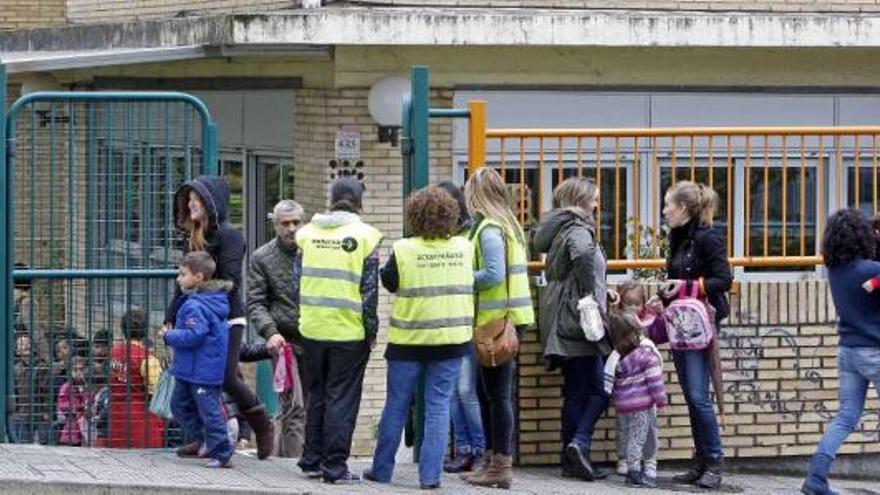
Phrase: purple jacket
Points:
(638, 382)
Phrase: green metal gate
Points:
(88, 180)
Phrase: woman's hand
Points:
(613, 297)
(672, 289)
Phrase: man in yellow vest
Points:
(430, 330)
(338, 322)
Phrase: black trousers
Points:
(335, 376)
(233, 384)
(495, 393)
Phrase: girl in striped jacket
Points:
(634, 375)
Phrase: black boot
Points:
(263, 428)
(461, 463)
(579, 460)
(694, 474)
(711, 478)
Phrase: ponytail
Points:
(708, 200)
(699, 200)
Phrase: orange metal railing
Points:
(775, 184)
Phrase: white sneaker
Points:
(622, 468)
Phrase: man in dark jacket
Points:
(273, 309)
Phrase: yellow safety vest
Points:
(492, 303)
(330, 305)
(434, 304)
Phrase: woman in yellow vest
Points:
(430, 330)
(501, 260)
(337, 319)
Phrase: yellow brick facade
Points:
(85, 11)
(26, 14)
(780, 384)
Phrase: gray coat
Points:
(575, 267)
(273, 291)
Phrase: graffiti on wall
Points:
(792, 405)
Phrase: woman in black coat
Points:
(200, 210)
(697, 254)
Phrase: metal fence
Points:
(775, 185)
(89, 181)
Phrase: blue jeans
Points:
(583, 399)
(467, 422)
(692, 368)
(858, 366)
(401, 379)
(199, 409)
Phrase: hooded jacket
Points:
(200, 337)
(369, 284)
(697, 251)
(225, 244)
(575, 268)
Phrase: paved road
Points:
(31, 469)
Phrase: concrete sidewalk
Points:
(32, 469)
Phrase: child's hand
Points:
(654, 305)
(868, 286)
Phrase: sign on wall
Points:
(348, 145)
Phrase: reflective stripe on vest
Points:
(331, 308)
(434, 304)
(492, 302)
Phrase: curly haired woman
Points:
(848, 251)
(430, 331)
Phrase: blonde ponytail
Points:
(699, 200)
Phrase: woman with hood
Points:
(200, 210)
(575, 269)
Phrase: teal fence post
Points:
(6, 263)
(210, 153)
(419, 126)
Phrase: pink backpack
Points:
(689, 321)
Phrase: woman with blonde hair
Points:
(698, 255)
(575, 269)
(502, 290)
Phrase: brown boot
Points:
(263, 428)
(499, 474)
(479, 470)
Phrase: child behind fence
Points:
(73, 402)
(634, 378)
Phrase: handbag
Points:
(496, 342)
(591, 318)
(160, 404)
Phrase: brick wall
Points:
(687, 5)
(85, 11)
(24, 14)
(320, 113)
(780, 370)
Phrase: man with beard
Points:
(273, 308)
